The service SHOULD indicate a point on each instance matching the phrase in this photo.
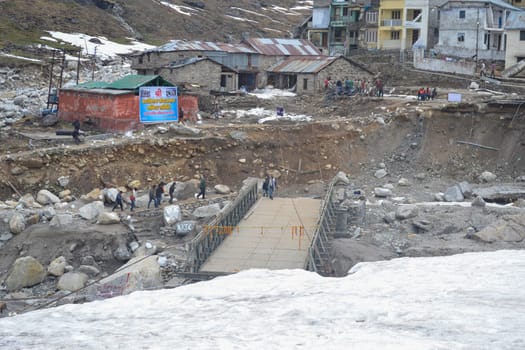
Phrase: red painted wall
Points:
(118, 113)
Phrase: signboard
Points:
(158, 104)
(454, 97)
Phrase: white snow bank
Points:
(467, 301)
(266, 115)
(269, 93)
(183, 10)
(19, 57)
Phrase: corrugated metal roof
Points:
(283, 47)
(99, 91)
(185, 62)
(92, 85)
(187, 45)
(516, 20)
(132, 82)
(302, 65)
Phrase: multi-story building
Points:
(338, 26)
(474, 28)
(403, 24)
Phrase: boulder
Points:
(72, 281)
(222, 189)
(207, 211)
(138, 274)
(57, 267)
(487, 176)
(381, 173)
(62, 220)
(110, 195)
(185, 190)
(94, 195)
(403, 182)
(406, 212)
(45, 197)
(183, 228)
(466, 189)
(341, 177)
(172, 214)
(453, 194)
(92, 210)
(48, 213)
(105, 218)
(122, 253)
(510, 228)
(26, 272)
(382, 192)
(64, 194)
(520, 178)
(28, 201)
(478, 202)
(17, 223)
(89, 270)
(63, 181)
(135, 184)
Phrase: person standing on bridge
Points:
(265, 186)
(272, 187)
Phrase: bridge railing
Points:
(318, 259)
(202, 246)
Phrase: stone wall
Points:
(205, 73)
(441, 65)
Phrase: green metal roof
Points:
(133, 82)
(92, 85)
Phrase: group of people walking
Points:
(361, 86)
(269, 186)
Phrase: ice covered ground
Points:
(266, 115)
(468, 301)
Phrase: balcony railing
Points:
(391, 22)
(341, 21)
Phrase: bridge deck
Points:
(268, 237)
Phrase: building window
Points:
(371, 17)
(371, 36)
(305, 84)
(462, 14)
(522, 35)
(339, 34)
(461, 37)
(395, 35)
(396, 14)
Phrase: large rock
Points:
(28, 201)
(62, 220)
(45, 197)
(183, 228)
(26, 272)
(57, 267)
(94, 195)
(63, 181)
(207, 211)
(341, 177)
(487, 176)
(510, 228)
(222, 189)
(92, 210)
(466, 189)
(185, 190)
(48, 213)
(137, 274)
(110, 195)
(406, 212)
(172, 214)
(382, 192)
(105, 218)
(72, 281)
(381, 173)
(17, 223)
(453, 194)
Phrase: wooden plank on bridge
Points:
(270, 236)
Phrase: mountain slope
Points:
(23, 22)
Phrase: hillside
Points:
(24, 22)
